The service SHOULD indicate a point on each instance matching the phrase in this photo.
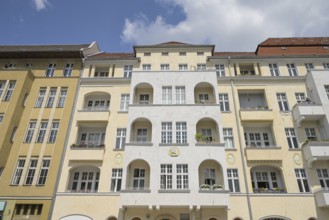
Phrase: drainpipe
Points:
(51, 209)
(240, 142)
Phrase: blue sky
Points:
(232, 25)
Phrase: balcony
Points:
(93, 115)
(260, 113)
(169, 198)
(315, 150)
(307, 111)
(264, 154)
(90, 151)
(271, 191)
(322, 198)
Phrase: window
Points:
(18, 172)
(184, 216)
(62, 98)
(116, 180)
(182, 53)
(180, 94)
(166, 132)
(31, 171)
(53, 132)
(182, 67)
(127, 71)
(144, 99)
(201, 66)
(220, 70)
(300, 97)
(209, 176)
(50, 70)
(141, 135)
(302, 180)
(124, 104)
(2, 87)
(40, 98)
(274, 69)
(291, 138)
(147, 54)
(94, 138)
(182, 176)
(68, 70)
(282, 101)
(264, 179)
(166, 176)
(228, 137)
(85, 181)
(203, 98)
(1, 117)
(310, 134)
(28, 66)
(24, 99)
(146, 67)
(102, 73)
(164, 67)
(326, 87)
(326, 65)
(42, 131)
(323, 178)
(257, 139)
(309, 66)
(224, 102)
(233, 180)
(164, 53)
(51, 97)
(292, 69)
(206, 133)
(121, 138)
(98, 104)
(139, 179)
(43, 172)
(10, 90)
(181, 133)
(30, 131)
(200, 53)
(166, 95)
(27, 211)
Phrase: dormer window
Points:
(147, 54)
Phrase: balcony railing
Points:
(82, 191)
(266, 190)
(254, 108)
(96, 108)
(91, 145)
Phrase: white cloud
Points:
(40, 4)
(233, 25)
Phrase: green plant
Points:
(205, 186)
(217, 186)
(198, 136)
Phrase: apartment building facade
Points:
(38, 85)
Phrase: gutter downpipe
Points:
(240, 142)
(51, 209)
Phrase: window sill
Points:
(173, 191)
(231, 149)
(118, 149)
(173, 144)
(295, 149)
(122, 112)
(226, 112)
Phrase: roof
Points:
(174, 44)
(296, 41)
(234, 54)
(42, 51)
(113, 56)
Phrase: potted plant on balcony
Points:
(217, 187)
(198, 137)
(205, 187)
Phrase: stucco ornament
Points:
(230, 159)
(297, 159)
(118, 158)
(173, 152)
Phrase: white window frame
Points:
(31, 172)
(42, 132)
(144, 99)
(300, 97)
(116, 180)
(325, 65)
(282, 102)
(127, 71)
(258, 139)
(323, 176)
(292, 69)
(92, 138)
(228, 137)
(270, 176)
(302, 181)
(98, 104)
(146, 67)
(40, 98)
(207, 134)
(182, 53)
(220, 70)
(209, 176)
(166, 95)
(291, 138)
(2, 87)
(10, 90)
(310, 134)
(233, 180)
(141, 136)
(139, 179)
(182, 180)
(121, 138)
(53, 132)
(274, 69)
(203, 97)
(180, 94)
(224, 102)
(166, 132)
(50, 70)
(124, 103)
(182, 67)
(164, 67)
(18, 171)
(30, 131)
(309, 66)
(45, 164)
(86, 181)
(68, 70)
(1, 118)
(62, 97)
(201, 66)
(51, 97)
(166, 176)
(181, 133)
